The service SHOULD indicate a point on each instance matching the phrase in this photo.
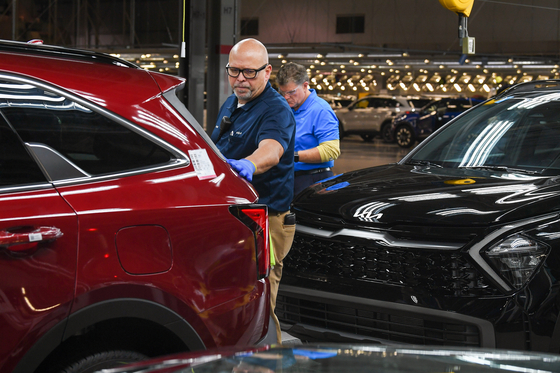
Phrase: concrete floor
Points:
(355, 154)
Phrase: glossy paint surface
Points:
(396, 194)
(196, 259)
(349, 358)
(458, 244)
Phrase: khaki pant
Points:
(282, 237)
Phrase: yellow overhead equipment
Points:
(458, 6)
(463, 9)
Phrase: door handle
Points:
(21, 240)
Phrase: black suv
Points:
(458, 244)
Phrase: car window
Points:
(92, 142)
(390, 103)
(362, 104)
(510, 133)
(16, 164)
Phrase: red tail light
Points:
(256, 218)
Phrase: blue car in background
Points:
(412, 126)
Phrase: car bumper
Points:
(271, 336)
(318, 315)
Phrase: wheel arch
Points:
(101, 319)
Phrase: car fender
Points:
(107, 310)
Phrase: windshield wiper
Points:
(503, 168)
(416, 162)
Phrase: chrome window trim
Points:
(171, 97)
(178, 163)
(507, 229)
(26, 187)
(181, 159)
(384, 238)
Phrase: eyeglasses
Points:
(247, 73)
(289, 93)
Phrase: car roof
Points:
(63, 52)
(100, 78)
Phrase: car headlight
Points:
(516, 258)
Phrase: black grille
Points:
(441, 272)
(374, 324)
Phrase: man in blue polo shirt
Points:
(255, 131)
(317, 139)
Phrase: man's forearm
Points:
(266, 156)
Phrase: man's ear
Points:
(268, 71)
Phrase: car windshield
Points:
(512, 134)
(418, 102)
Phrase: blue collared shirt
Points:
(316, 122)
(268, 116)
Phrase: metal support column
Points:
(197, 41)
(222, 29)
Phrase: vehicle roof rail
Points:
(536, 85)
(57, 51)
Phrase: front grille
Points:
(441, 272)
(375, 324)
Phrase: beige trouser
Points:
(282, 237)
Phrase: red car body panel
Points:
(164, 236)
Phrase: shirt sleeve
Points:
(277, 124)
(326, 126)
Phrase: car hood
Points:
(402, 194)
(345, 358)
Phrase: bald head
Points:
(249, 54)
(250, 48)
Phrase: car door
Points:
(427, 119)
(360, 115)
(386, 109)
(143, 209)
(38, 248)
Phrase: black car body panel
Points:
(429, 250)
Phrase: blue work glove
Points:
(244, 167)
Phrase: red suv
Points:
(124, 234)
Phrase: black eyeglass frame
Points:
(242, 71)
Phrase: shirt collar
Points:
(253, 102)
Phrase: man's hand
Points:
(244, 167)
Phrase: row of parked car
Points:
(404, 120)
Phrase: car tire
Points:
(367, 138)
(404, 136)
(95, 361)
(386, 134)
